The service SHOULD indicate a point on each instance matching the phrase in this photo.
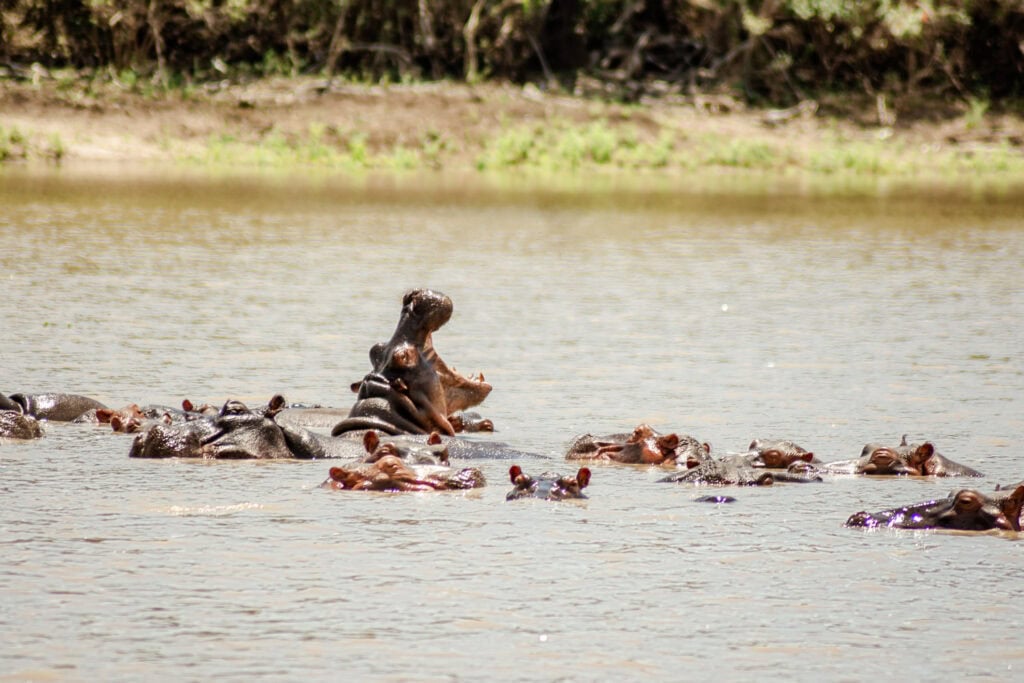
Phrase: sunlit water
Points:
(830, 322)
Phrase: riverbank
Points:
(306, 123)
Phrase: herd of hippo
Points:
(399, 435)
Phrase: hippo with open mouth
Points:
(965, 510)
(410, 389)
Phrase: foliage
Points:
(772, 50)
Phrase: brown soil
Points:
(114, 123)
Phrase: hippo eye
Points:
(882, 458)
(234, 407)
(968, 501)
(404, 356)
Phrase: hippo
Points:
(134, 419)
(643, 446)
(734, 470)
(727, 471)
(470, 422)
(777, 454)
(103, 416)
(548, 485)
(389, 473)
(14, 425)
(904, 459)
(237, 433)
(53, 407)
(433, 452)
(965, 509)
(410, 389)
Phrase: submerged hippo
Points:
(548, 485)
(14, 425)
(469, 421)
(104, 416)
(734, 470)
(237, 433)
(389, 473)
(777, 454)
(411, 390)
(53, 407)
(433, 452)
(904, 459)
(728, 471)
(966, 509)
(643, 446)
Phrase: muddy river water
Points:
(829, 321)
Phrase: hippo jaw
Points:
(424, 311)
(460, 392)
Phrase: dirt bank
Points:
(457, 127)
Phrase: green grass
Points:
(568, 148)
(13, 144)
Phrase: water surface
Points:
(828, 320)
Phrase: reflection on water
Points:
(828, 320)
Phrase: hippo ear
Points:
(753, 445)
(514, 473)
(276, 403)
(434, 438)
(903, 441)
(668, 441)
(115, 423)
(807, 457)
(187, 406)
(355, 386)
(370, 441)
(1012, 505)
(924, 451)
(103, 415)
(707, 447)
(337, 474)
(583, 477)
